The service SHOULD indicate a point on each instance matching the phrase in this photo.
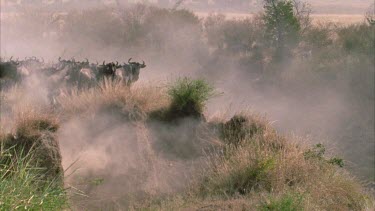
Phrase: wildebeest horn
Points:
(116, 63)
(87, 61)
(104, 62)
(143, 62)
(60, 59)
(10, 59)
(129, 60)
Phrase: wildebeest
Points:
(80, 74)
(106, 71)
(129, 73)
(12, 71)
(87, 76)
(8, 69)
(77, 72)
(65, 73)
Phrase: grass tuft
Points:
(287, 202)
(189, 96)
(21, 186)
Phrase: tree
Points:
(370, 15)
(302, 12)
(282, 25)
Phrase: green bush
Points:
(288, 202)
(238, 175)
(21, 188)
(318, 151)
(282, 25)
(251, 177)
(189, 96)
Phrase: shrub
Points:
(318, 151)
(315, 152)
(238, 176)
(336, 161)
(319, 36)
(246, 179)
(357, 39)
(288, 202)
(240, 127)
(189, 97)
(234, 36)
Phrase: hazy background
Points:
(238, 6)
(328, 97)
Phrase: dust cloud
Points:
(110, 155)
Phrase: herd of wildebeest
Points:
(67, 73)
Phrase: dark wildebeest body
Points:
(81, 74)
(9, 70)
(9, 73)
(129, 73)
(105, 71)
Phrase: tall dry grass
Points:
(253, 167)
(18, 105)
(268, 171)
(141, 98)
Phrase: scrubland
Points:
(147, 156)
(170, 142)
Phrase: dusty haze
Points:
(322, 112)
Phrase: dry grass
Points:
(18, 105)
(111, 93)
(255, 167)
(269, 170)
